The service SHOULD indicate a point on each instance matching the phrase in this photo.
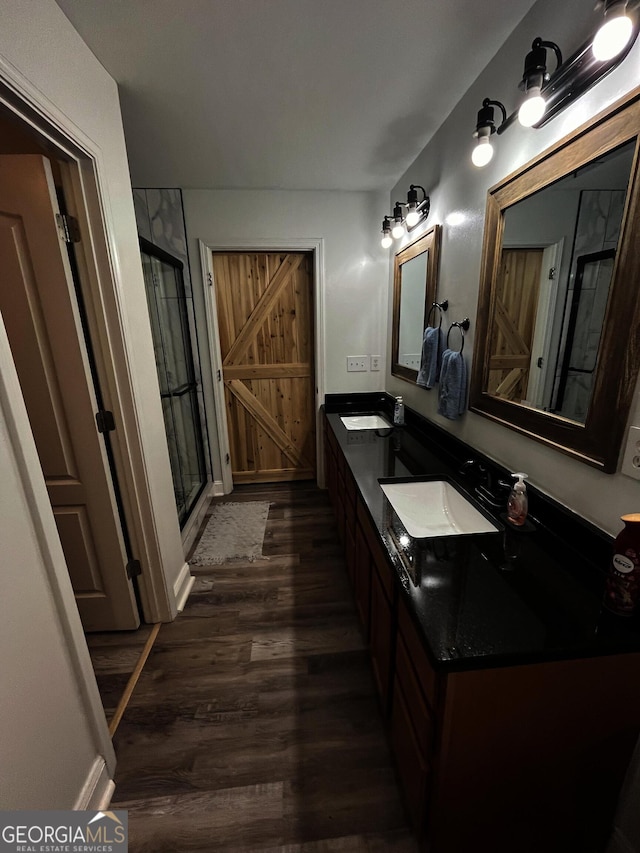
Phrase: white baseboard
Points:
(98, 788)
(218, 488)
(619, 843)
(182, 587)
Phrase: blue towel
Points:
(431, 358)
(452, 395)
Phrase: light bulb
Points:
(397, 231)
(413, 217)
(612, 37)
(386, 241)
(482, 153)
(532, 109)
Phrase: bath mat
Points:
(235, 531)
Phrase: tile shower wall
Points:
(160, 219)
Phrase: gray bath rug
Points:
(235, 531)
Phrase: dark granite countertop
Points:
(487, 600)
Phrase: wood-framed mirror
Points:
(415, 283)
(557, 345)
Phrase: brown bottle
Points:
(623, 581)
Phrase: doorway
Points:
(46, 326)
(265, 325)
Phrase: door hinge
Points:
(227, 459)
(134, 569)
(219, 375)
(68, 228)
(210, 279)
(552, 273)
(105, 421)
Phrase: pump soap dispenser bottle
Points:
(518, 503)
(398, 412)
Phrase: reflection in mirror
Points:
(552, 287)
(412, 305)
(557, 342)
(414, 291)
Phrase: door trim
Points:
(101, 280)
(219, 415)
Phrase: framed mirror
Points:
(415, 283)
(557, 345)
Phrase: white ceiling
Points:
(288, 94)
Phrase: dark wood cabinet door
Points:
(381, 642)
(412, 767)
(362, 580)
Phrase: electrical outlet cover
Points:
(631, 460)
(357, 363)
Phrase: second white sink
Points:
(365, 422)
(434, 508)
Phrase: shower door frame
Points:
(194, 508)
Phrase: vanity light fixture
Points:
(547, 94)
(417, 210)
(615, 32)
(534, 77)
(485, 127)
(386, 233)
(393, 225)
(398, 222)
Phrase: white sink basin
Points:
(435, 508)
(365, 422)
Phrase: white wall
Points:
(455, 185)
(355, 267)
(45, 741)
(47, 744)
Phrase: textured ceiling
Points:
(289, 94)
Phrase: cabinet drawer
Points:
(425, 674)
(383, 569)
(417, 707)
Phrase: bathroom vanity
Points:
(511, 699)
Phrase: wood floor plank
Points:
(254, 726)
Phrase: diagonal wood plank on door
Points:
(266, 421)
(259, 314)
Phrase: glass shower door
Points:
(167, 303)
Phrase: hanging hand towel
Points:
(452, 394)
(431, 358)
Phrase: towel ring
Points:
(463, 326)
(441, 306)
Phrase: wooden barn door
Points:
(265, 320)
(515, 312)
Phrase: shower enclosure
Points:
(169, 309)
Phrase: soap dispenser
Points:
(398, 412)
(518, 503)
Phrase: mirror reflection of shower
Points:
(556, 265)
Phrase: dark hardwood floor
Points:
(114, 655)
(254, 725)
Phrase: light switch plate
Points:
(357, 363)
(375, 362)
(631, 459)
